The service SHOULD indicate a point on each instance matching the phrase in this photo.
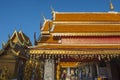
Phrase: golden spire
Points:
(44, 18)
(52, 9)
(111, 6)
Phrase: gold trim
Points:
(74, 52)
(87, 34)
(86, 22)
(69, 64)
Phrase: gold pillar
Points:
(58, 72)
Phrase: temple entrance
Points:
(83, 71)
(67, 70)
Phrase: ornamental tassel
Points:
(108, 57)
(99, 57)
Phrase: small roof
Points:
(46, 25)
(21, 37)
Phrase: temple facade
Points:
(79, 46)
(75, 46)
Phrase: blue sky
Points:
(26, 15)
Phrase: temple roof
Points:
(78, 28)
(20, 37)
(46, 25)
(82, 22)
(72, 24)
(86, 16)
(16, 42)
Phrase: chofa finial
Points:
(52, 10)
(111, 6)
(44, 18)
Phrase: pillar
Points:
(49, 69)
(97, 70)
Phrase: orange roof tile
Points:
(82, 23)
(86, 28)
(79, 16)
(47, 25)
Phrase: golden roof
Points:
(81, 52)
(73, 22)
(87, 16)
(85, 28)
(79, 24)
(20, 37)
(47, 24)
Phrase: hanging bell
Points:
(99, 57)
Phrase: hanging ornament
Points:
(43, 55)
(37, 56)
(99, 57)
(111, 56)
(114, 55)
(58, 55)
(108, 57)
(118, 56)
(55, 56)
(50, 55)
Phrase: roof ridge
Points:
(87, 12)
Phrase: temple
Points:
(13, 56)
(72, 46)
(82, 45)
